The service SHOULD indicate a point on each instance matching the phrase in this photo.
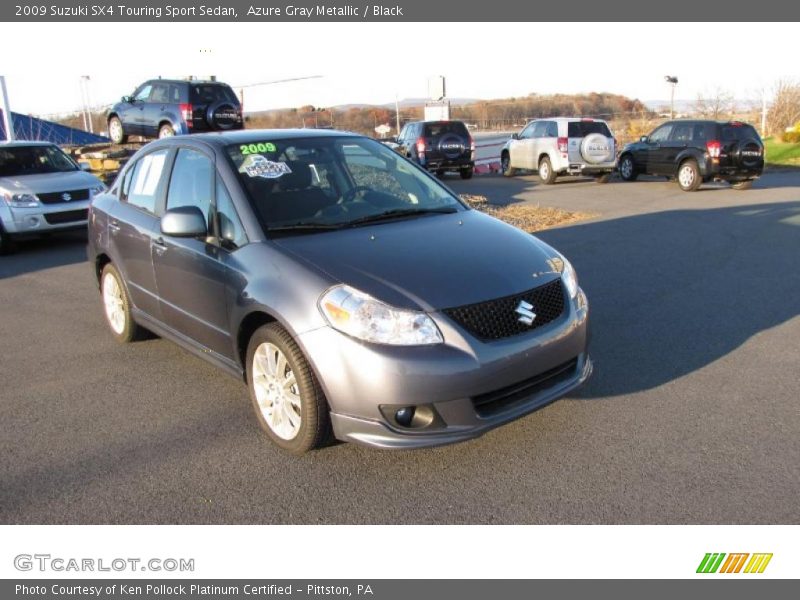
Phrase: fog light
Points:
(33, 222)
(404, 416)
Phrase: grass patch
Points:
(782, 154)
(528, 217)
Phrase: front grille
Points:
(497, 401)
(68, 216)
(58, 197)
(498, 319)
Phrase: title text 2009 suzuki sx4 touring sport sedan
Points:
(354, 292)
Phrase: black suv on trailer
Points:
(697, 151)
(439, 146)
(165, 107)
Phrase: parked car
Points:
(439, 146)
(561, 146)
(350, 289)
(694, 151)
(42, 190)
(166, 107)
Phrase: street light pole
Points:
(7, 120)
(672, 81)
(397, 113)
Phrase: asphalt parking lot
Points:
(692, 416)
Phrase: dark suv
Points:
(439, 146)
(697, 151)
(165, 107)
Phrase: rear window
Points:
(212, 94)
(577, 129)
(440, 129)
(738, 132)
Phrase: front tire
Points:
(116, 131)
(546, 173)
(6, 244)
(505, 166)
(467, 173)
(117, 306)
(287, 399)
(689, 178)
(627, 170)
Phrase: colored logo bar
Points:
(714, 562)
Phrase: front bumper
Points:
(45, 218)
(365, 383)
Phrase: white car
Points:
(41, 190)
(562, 146)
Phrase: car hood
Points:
(49, 182)
(430, 262)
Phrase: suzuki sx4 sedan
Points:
(356, 295)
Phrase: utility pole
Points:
(763, 113)
(397, 113)
(672, 81)
(7, 119)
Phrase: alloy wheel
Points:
(277, 391)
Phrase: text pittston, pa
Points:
(322, 11)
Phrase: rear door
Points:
(155, 109)
(742, 148)
(680, 139)
(446, 141)
(134, 224)
(578, 131)
(214, 107)
(189, 272)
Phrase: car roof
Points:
(23, 143)
(571, 119)
(249, 136)
(187, 81)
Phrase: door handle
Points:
(160, 246)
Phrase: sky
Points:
(372, 63)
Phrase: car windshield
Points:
(737, 132)
(34, 160)
(578, 129)
(212, 93)
(333, 182)
(443, 127)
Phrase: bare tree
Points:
(715, 104)
(785, 110)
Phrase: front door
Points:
(190, 275)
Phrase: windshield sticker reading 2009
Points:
(259, 147)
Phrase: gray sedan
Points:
(356, 295)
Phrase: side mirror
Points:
(514, 136)
(184, 221)
(84, 165)
(644, 138)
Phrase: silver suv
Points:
(562, 146)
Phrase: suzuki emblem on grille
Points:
(525, 312)
(66, 197)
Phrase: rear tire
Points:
(466, 173)
(6, 243)
(627, 169)
(689, 178)
(165, 131)
(117, 306)
(505, 166)
(287, 399)
(116, 131)
(604, 178)
(742, 185)
(546, 173)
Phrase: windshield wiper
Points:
(305, 226)
(400, 212)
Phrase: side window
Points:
(552, 130)
(701, 132)
(230, 228)
(143, 94)
(540, 130)
(191, 182)
(682, 132)
(160, 93)
(527, 132)
(661, 134)
(403, 133)
(141, 181)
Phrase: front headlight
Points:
(568, 275)
(98, 189)
(21, 200)
(362, 316)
